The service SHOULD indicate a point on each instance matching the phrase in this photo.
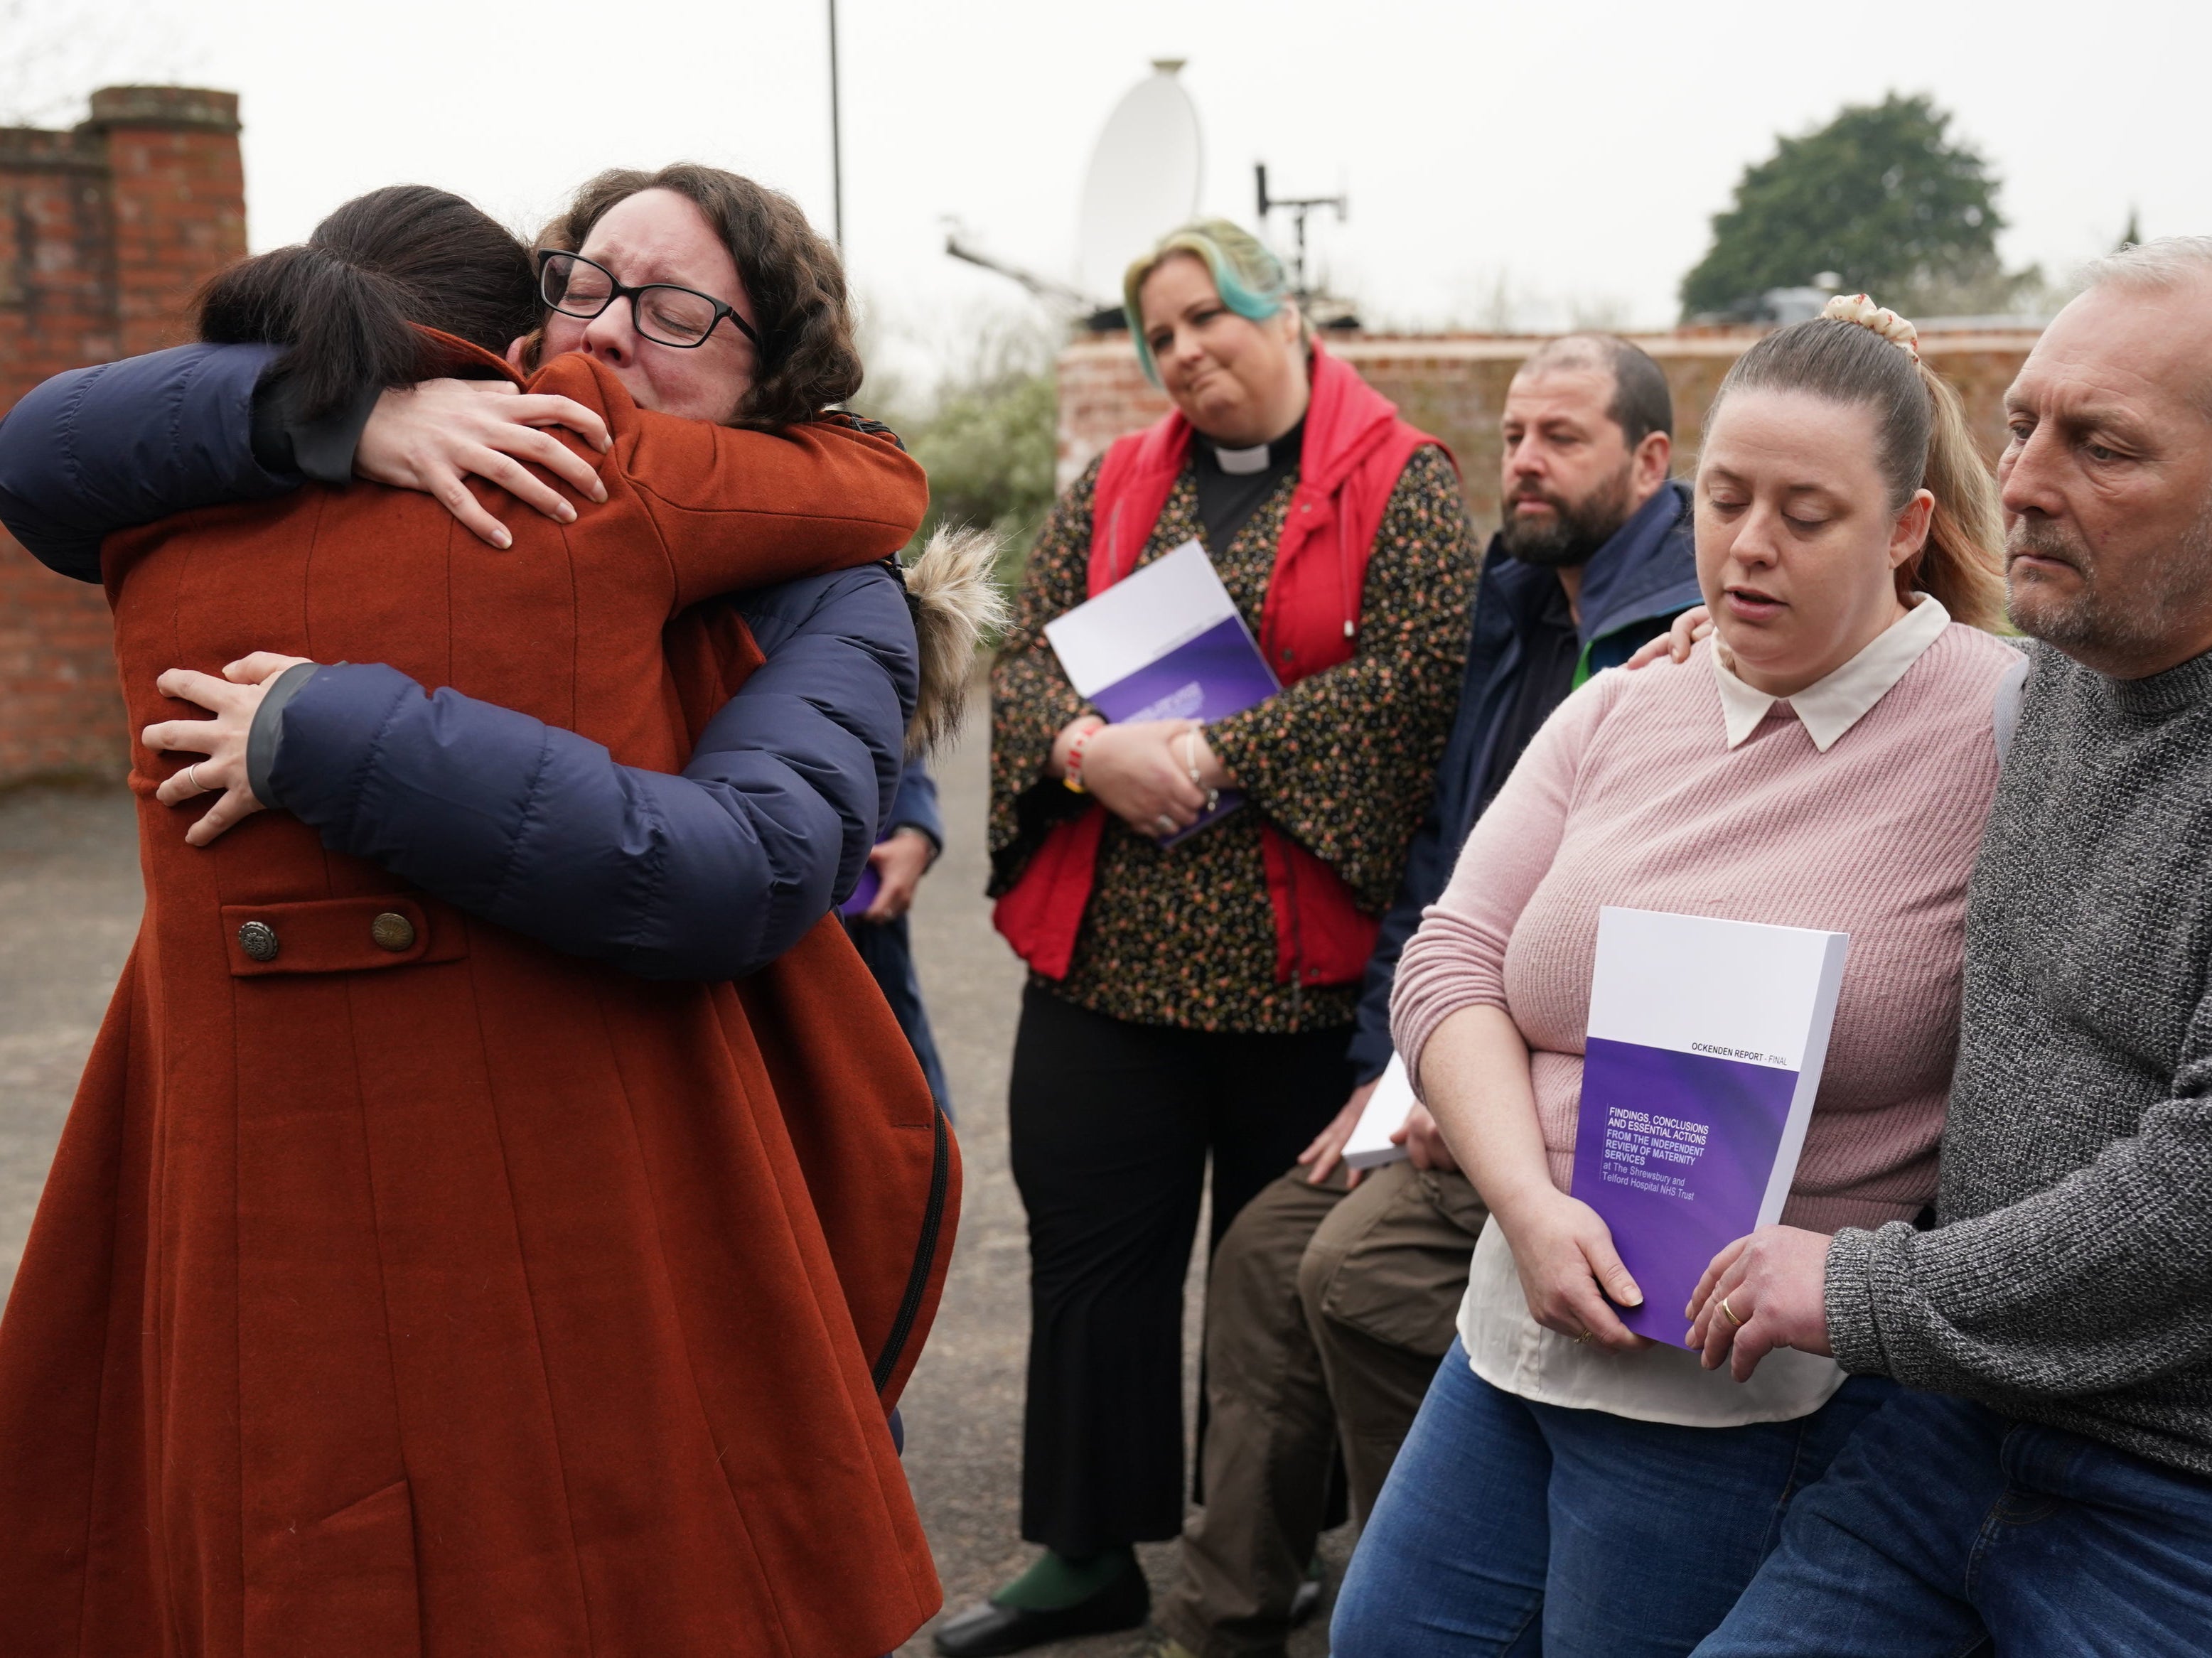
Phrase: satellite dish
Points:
(1143, 180)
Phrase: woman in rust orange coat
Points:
(404, 1285)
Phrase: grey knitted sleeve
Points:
(2101, 1282)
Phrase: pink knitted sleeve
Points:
(1456, 957)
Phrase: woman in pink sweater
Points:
(1826, 763)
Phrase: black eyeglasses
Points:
(666, 315)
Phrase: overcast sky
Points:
(1571, 154)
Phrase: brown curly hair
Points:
(796, 281)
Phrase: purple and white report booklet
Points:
(1704, 1053)
(1166, 643)
(1383, 1115)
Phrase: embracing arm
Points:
(2101, 1282)
(1344, 761)
(770, 507)
(710, 874)
(738, 509)
(98, 450)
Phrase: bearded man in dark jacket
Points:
(1331, 1307)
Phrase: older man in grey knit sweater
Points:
(2051, 1490)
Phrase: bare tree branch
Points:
(55, 53)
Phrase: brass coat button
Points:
(258, 940)
(392, 932)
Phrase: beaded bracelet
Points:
(1071, 777)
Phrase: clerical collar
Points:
(1261, 457)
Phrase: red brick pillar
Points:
(179, 201)
(105, 232)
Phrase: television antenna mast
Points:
(1298, 207)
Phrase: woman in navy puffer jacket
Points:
(768, 826)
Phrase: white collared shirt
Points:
(1830, 706)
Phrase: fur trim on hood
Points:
(956, 604)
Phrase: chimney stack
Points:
(106, 230)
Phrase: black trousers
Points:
(1110, 1126)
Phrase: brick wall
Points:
(1456, 388)
(105, 232)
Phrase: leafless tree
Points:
(53, 53)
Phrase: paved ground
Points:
(68, 908)
(68, 905)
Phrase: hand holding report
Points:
(1370, 1145)
(1137, 773)
(864, 894)
(1166, 643)
(1706, 1043)
(1477, 1077)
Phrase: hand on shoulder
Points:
(1677, 642)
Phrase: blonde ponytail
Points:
(1963, 562)
(1859, 352)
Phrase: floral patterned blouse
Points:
(1344, 761)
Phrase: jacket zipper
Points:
(917, 1279)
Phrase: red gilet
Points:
(1355, 449)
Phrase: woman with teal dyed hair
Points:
(1192, 1002)
(1247, 279)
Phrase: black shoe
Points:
(991, 1629)
(1306, 1602)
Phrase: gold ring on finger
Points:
(1731, 1312)
(1583, 1336)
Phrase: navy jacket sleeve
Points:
(98, 450)
(710, 874)
(915, 807)
(1429, 863)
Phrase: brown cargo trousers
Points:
(1325, 1314)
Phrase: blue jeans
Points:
(1507, 1526)
(1945, 1529)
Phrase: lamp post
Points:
(837, 140)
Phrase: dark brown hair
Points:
(1642, 404)
(347, 302)
(1924, 442)
(796, 281)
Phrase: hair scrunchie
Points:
(1858, 308)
